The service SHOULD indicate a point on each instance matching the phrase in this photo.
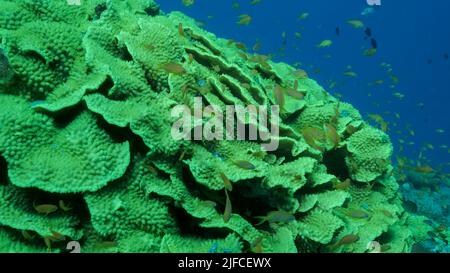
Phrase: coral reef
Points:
(86, 152)
(427, 195)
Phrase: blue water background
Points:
(409, 34)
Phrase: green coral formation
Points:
(86, 151)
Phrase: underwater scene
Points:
(232, 126)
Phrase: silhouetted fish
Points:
(410, 206)
(338, 31)
(368, 32)
(5, 68)
(429, 61)
(374, 43)
(446, 56)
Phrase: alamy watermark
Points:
(236, 123)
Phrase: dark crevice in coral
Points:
(204, 42)
(153, 10)
(212, 61)
(107, 85)
(64, 116)
(124, 54)
(4, 180)
(267, 74)
(234, 89)
(250, 199)
(35, 56)
(119, 135)
(256, 95)
(150, 81)
(334, 160)
(199, 190)
(99, 9)
(190, 226)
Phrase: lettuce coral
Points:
(86, 117)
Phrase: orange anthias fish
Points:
(226, 182)
(256, 245)
(243, 164)
(227, 212)
(357, 214)
(293, 92)
(188, 3)
(346, 240)
(63, 206)
(343, 185)
(279, 216)
(331, 134)
(173, 68)
(279, 96)
(46, 208)
(181, 30)
(423, 169)
(313, 135)
(244, 19)
(300, 74)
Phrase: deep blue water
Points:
(412, 36)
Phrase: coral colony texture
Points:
(86, 153)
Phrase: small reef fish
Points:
(188, 3)
(279, 216)
(181, 30)
(256, 245)
(357, 214)
(27, 235)
(346, 240)
(293, 92)
(325, 43)
(312, 135)
(56, 236)
(398, 95)
(213, 248)
(257, 46)
(303, 16)
(350, 129)
(374, 43)
(343, 185)
(227, 212)
(337, 30)
(350, 74)
(423, 169)
(6, 71)
(243, 164)
(244, 19)
(63, 206)
(356, 23)
(45, 208)
(368, 32)
(331, 134)
(226, 182)
(367, 11)
(279, 96)
(300, 74)
(370, 52)
(173, 68)
(387, 213)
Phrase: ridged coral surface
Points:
(87, 154)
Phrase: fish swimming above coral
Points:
(111, 137)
